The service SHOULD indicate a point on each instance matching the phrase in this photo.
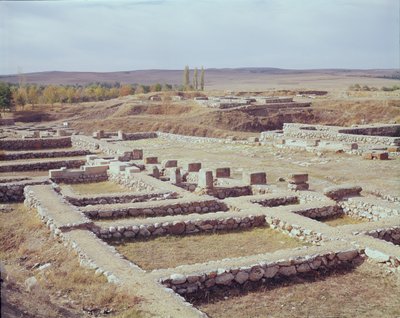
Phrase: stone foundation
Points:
(35, 144)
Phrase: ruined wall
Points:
(179, 227)
(35, 144)
(14, 191)
(29, 166)
(47, 154)
(238, 277)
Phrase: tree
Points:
(186, 81)
(50, 94)
(32, 95)
(5, 96)
(126, 90)
(202, 79)
(195, 79)
(19, 96)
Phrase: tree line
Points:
(24, 94)
(196, 84)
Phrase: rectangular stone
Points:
(381, 155)
(169, 163)
(296, 178)
(193, 167)
(222, 172)
(151, 160)
(206, 179)
(368, 155)
(393, 149)
(255, 178)
(137, 154)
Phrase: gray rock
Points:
(177, 279)
(377, 255)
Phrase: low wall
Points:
(139, 135)
(227, 192)
(156, 208)
(134, 183)
(44, 165)
(46, 154)
(179, 227)
(35, 144)
(198, 285)
(86, 174)
(319, 212)
(367, 209)
(389, 131)
(86, 142)
(276, 201)
(83, 200)
(334, 134)
(14, 191)
(391, 234)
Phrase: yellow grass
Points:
(342, 220)
(64, 288)
(171, 251)
(97, 187)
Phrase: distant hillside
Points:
(225, 78)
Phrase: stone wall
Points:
(227, 192)
(391, 234)
(179, 227)
(14, 191)
(368, 209)
(387, 130)
(35, 144)
(139, 135)
(44, 154)
(83, 200)
(303, 131)
(319, 212)
(41, 165)
(276, 201)
(85, 174)
(156, 208)
(201, 284)
(131, 182)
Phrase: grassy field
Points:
(365, 292)
(342, 220)
(171, 251)
(97, 187)
(64, 289)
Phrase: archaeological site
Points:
(200, 159)
(191, 225)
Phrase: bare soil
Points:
(342, 220)
(201, 248)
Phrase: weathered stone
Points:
(271, 271)
(177, 279)
(224, 279)
(205, 179)
(256, 273)
(177, 228)
(347, 255)
(241, 277)
(287, 270)
(377, 255)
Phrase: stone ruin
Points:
(168, 197)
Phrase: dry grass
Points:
(364, 292)
(171, 251)
(64, 289)
(97, 187)
(342, 220)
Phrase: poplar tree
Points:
(195, 79)
(202, 79)
(186, 81)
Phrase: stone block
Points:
(381, 155)
(206, 179)
(298, 186)
(151, 160)
(253, 139)
(155, 172)
(255, 178)
(131, 170)
(222, 172)
(312, 142)
(193, 167)
(297, 178)
(175, 176)
(121, 135)
(169, 163)
(137, 154)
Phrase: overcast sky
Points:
(130, 35)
